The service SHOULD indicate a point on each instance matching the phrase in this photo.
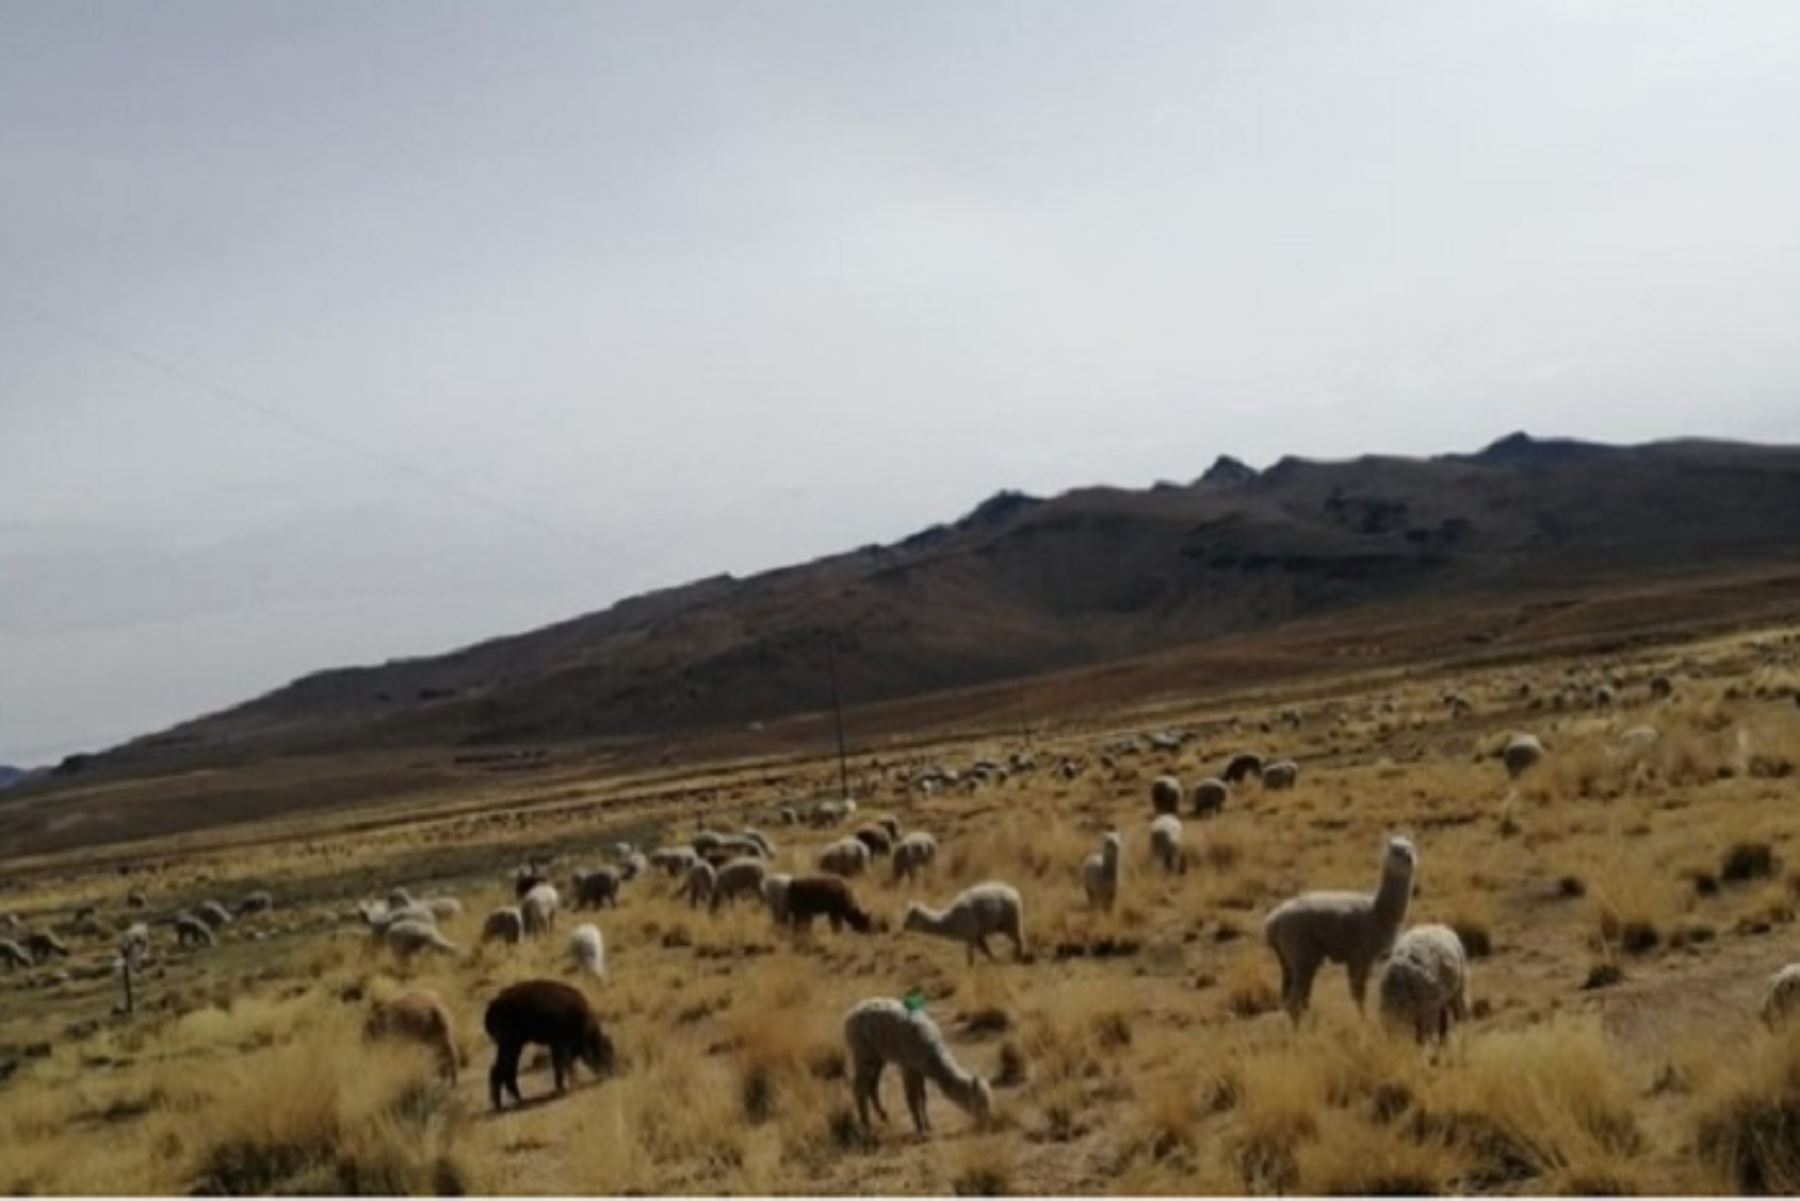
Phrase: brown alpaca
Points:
(876, 839)
(809, 897)
(551, 1014)
(422, 1017)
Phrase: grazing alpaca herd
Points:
(1421, 974)
(1147, 901)
(1423, 986)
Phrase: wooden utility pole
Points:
(837, 712)
(127, 968)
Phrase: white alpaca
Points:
(588, 949)
(1166, 845)
(1425, 982)
(881, 1031)
(1351, 928)
(1101, 872)
(991, 908)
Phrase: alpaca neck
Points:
(1392, 896)
(935, 921)
(957, 1084)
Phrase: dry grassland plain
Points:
(1625, 902)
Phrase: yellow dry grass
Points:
(1626, 901)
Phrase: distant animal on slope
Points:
(505, 925)
(1280, 776)
(1166, 845)
(42, 944)
(1100, 873)
(877, 839)
(913, 854)
(539, 908)
(212, 913)
(1209, 797)
(846, 857)
(674, 861)
(548, 1013)
(260, 901)
(408, 938)
(1521, 753)
(443, 909)
(698, 887)
(597, 889)
(588, 949)
(739, 878)
(774, 894)
(1239, 767)
(1165, 794)
(191, 931)
(810, 897)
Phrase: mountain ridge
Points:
(1021, 585)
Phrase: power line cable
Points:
(232, 397)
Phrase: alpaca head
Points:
(596, 1049)
(981, 1101)
(1401, 857)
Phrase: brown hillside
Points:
(1022, 586)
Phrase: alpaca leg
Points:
(1287, 981)
(1301, 995)
(503, 1077)
(982, 942)
(1359, 983)
(562, 1066)
(915, 1100)
(868, 1090)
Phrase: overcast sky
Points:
(484, 315)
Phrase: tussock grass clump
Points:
(1631, 909)
(1168, 1113)
(1747, 860)
(318, 1117)
(983, 1167)
(1249, 991)
(1471, 915)
(1546, 1104)
(1582, 771)
(1749, 1133)
(1353, 1158)
(786, 1044)
(1604, 974)
(680, 1109)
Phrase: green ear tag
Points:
(914, 1001)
